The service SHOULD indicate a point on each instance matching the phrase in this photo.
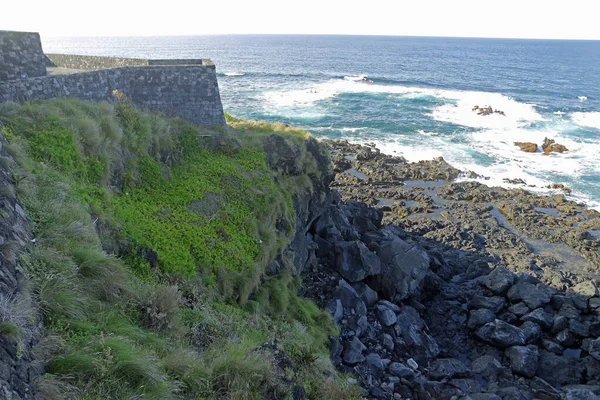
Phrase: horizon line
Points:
(312, 34)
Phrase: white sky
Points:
(552, 19)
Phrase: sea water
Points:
(412, 96)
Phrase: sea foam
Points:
(589, 119)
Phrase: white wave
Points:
(510, 163)
(234, 74)
(582, 98)
(356, 78)
(516, 114)
(589, 119)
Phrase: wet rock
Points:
(540, 317)
(354, 261)
(386, 316)
(448, 368)
(530, 294)
(499, 280)
(558, 370)
(491, 303)
(349, 298)
(550, 145)
(480, 317)
(527, 147)
(523, 359)
(353, 350)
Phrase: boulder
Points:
(543, 390)
(368, 295)
(354, 261)
(530, 294)
(349, 298)
(353, 350)
(523, 359)
(587, 288)
(527, 147)
(557, 369)
(480, 317)
(532, 332)
(592, 346)
(403, 269)
(487, 366)
(400, 370)
(501, 334)
(491, 303)
(386, 316)
(499, 280)
(550, 145)
(448, 368)
(540, 317)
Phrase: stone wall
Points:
(21, 55)
(90, 63)
(18, 314)
(187, 91)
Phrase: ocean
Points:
(412, 96)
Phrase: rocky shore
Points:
(456, 290)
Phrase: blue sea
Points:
(412, 96)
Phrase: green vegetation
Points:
(152, 237)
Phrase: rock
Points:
(579, 328)
(558, 370)
(412, 364)
(592, 347)
(400, 370)
(480, 317)
(487, 366)
(506, 335)
(353, 350)
(374, 361)
(587, 288)
(386, 316)
(540, 317)
(527, 147)
(519, 309)
(550, 145)
(499, 280)
(491, 303)
(448, 368)
(368, 295)
(530, 294)
(580, 392)
(565, 338)
(335, 309)
(523, 359)
(532, 332)
(389, 305)
(387, 342)
(335, 350)
(354, 261)
(552, 346)
(349, 298)
(403, 269)
(543, 390)
(559, 323)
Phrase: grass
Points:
(152, 238)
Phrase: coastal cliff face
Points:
(18, 312)
(149, 244)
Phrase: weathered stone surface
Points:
(368, 295)
(353, 350)
(21, 55)
(491, 303)
(501, 334)
(400, 370)
(539, 316)
(403, 268)
(530, 294)
(386, 316)
(587, 288)
(349, 298)
(499, 280)
(354, 261)
(592, 347)
(448, 368)
(523, 359)
(480, 317)
(532, 332)
(558, 370)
